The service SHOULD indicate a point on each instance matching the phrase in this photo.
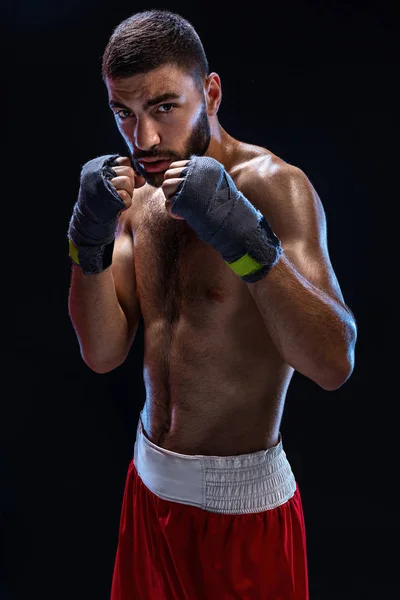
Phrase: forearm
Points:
(314, 333)
(98, 319)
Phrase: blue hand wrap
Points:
(95, 215)
(220, 214)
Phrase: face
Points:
(162, 117)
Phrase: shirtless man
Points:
(221, 246)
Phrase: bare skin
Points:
(215, 383)
(216, 370)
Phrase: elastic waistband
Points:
(246, 483)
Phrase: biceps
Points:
(304, 235)
(311, 259)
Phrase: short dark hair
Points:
(150, 39)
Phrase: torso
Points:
(215, 383)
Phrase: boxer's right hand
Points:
(126, 181)
(106, 188)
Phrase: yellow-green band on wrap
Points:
(244, 266)
(73, 252)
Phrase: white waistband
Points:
(246, 483)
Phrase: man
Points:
(221, 246)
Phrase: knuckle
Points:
(126, 172)
(124, 195)
(129, 181)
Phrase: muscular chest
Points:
(177, 273)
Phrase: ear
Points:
(213, 93)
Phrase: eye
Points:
(168, 106)
(121, 116)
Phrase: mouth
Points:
(154, 165)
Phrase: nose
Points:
(145, 134)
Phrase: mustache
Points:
(156, 154)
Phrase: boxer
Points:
(220, 246)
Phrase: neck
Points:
(222, 146)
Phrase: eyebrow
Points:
(149, 103)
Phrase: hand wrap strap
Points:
(220, 214)
(94, 219)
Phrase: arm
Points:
(300, 299)
(104, 308)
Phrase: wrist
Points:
(91, 259)
(263, 252)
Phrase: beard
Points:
(197, 144)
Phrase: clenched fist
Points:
(172, 179)
(107, 184)
(127, 180)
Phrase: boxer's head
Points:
(159, 89)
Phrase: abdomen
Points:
(216, 389)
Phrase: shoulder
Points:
(260, 170)
(279, 190)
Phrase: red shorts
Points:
(210, 528)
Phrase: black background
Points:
(313, 82)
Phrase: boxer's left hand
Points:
(172, 179)
(202, 192)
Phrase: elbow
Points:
(336, 380)
(101, 366)
(100, 369)
(104, 359)
(339, 372)
(331, 368)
